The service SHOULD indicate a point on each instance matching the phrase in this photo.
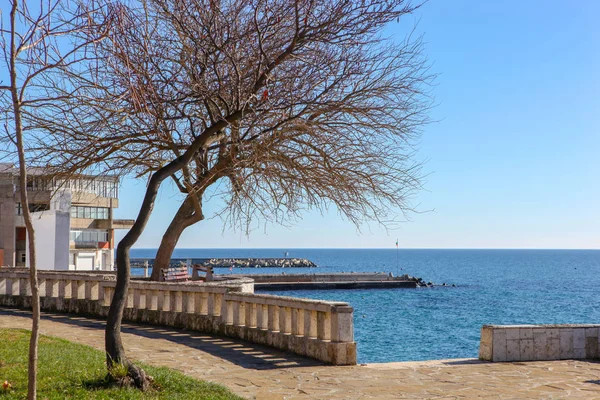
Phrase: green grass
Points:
(68, 370)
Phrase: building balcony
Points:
(90, 223)
(92, 199)
(88, 245)
(123, 223)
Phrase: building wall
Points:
(51, 240)
(63, 227)
(7, 224)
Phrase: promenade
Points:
(259, 372)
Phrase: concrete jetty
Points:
(377, 280)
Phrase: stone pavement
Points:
(258, 372)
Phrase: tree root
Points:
(130, 375)
(139, 377)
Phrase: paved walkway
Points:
(258, 372)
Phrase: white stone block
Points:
(553, 348)
(513, 353)
(499, 345)
(485, 352)
(579, 354)
(579, 338)
(566, 343)
(591, 332)
(553, 333)
(526, 333)
(540, 345)
(526, 349)
(512, 333)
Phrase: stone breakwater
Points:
(258, 263)
(231, 262)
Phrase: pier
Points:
(377, 280)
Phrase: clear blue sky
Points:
(514, 158)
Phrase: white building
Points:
(72, 218)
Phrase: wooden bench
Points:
(176, 274)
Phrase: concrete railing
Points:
(539, 342)
(318, 329)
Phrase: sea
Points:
(490, 287)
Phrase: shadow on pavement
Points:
(239, 352)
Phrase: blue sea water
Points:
(492, 287)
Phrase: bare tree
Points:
(33, 52)
(12, 47)
(276, 106)
(332, 125)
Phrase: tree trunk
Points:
(35, 295)
(186, 215)
(115, 353)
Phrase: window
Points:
(23, 257)
(88, 236)
(89, 212)
(32, 208)
(38, 207)
(103, 187)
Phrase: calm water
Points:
(493, 286)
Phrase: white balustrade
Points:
(285, 317)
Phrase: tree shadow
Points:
(239, 352)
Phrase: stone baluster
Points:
(64, 288)
(177, 301)
(297, 322)
(92, 291)
(24, 287)
(214, 304)
(129, 298)
(153, 303)
(108, 294)
(262, 316)
(139, 299)
(12, 287)
(42, 287)
(52, 288)
(164, 300)
(227, 312)
(250, 315)
(189, 305)
(310, 323)
(324, 325)
(273, 318)
(78, 290)
(201, 303)
(239, 313)
(285, 320)
(3, 282)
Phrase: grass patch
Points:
(68, 370)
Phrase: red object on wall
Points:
(103, 245)
(21, 234)
(1, 256)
